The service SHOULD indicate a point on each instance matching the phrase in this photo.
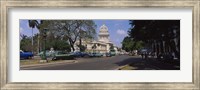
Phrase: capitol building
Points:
(102, 45)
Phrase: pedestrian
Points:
(142, 55)
(52, 53)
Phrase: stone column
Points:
(107, 48)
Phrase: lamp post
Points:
(45, 39)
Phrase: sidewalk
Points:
(165, 64)
(152, 64)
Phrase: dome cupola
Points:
(103, 33)
(103, 29)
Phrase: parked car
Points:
(41, 54)
(85, 54)
(112, 53)
(57, 55)
(142, 51)
(25, 55)
(95, 54)
(61, 55)
(80, 54)
(108, 54)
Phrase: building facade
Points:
(102, 45)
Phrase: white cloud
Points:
(21, 29)
(121, 32)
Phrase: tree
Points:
(44, 24)
(163, 36)
(82, 48)
(67, 30)
(126, 44)
(58, 44)
(87, 31)
(73, 30)
(33, 24)
(25, 43)
(129, 44)
(40, 26)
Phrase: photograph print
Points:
(97, 44)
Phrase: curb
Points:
(52, 63)
(119, 68)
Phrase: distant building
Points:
(102, 45)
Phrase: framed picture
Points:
(105, 44)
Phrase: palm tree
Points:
(32, 24)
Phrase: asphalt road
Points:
(102, 63)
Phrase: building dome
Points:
(103, 33)
(103, 29)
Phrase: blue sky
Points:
(117, 29)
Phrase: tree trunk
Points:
(32, 41)
(80, 44)
(164, 47)
(38, 39)
(72, 45)
(173, 47)
(154, 46)
(157, 49)
(161, 47)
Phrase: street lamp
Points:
(45, 39)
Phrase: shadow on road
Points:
(138, 63)
(128, 61)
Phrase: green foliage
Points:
(147, 30)
(82, 48)
(67, 32)
(138, 45)
(56, 43)
(44, 24)
(33, 23)
(155, 32)
(60, 45)
(73, 29)
(25, 43)
(129, 44)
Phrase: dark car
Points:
(80, 54)
(108, 54)
(25, 55)
(142, 51)
(95, 54)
